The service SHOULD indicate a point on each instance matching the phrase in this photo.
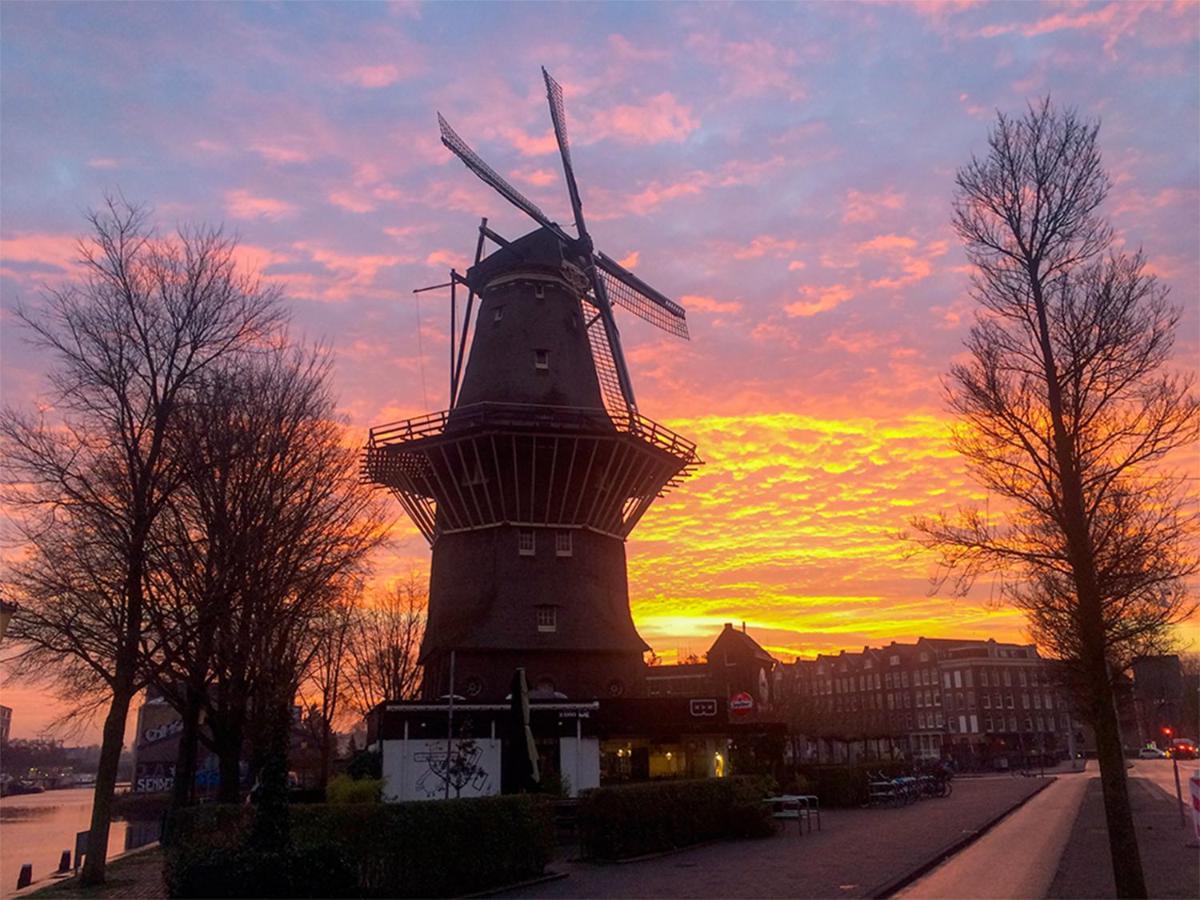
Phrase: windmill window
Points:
(563, 544)
(498, 314)
(547, 619)
(541, 359)
(539, 291)
(526, 545)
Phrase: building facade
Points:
(980, 702)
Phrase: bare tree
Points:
(382, 645)
(1069, 415)
(269, 530)
(129, 339)
(326, 681)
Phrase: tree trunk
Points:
(184, 790)
(271, 826)
(229, 760)
(106, 781)
(1122, 838)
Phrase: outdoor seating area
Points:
(800, 808)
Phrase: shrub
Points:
(841, 785)
(343, 789)
(632, 820)
(430, 849)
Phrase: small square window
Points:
(525, 542)
(547, 618)
(498, 314)
(541, 359)
(563, 543)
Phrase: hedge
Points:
(636, 819)
(430, 849)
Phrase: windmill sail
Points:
(630, 293)
(606, 369)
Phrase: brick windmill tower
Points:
(528, 485)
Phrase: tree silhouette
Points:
(1069, 415)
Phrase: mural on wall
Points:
(421, 770)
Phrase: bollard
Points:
(26, 876)
(64, 862)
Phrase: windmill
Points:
(528, 484)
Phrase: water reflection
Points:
(36, 828)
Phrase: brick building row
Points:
(978, 701)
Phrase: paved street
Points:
(858, 852)
(1035, 834)
(1056, 845)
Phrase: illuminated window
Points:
(525, 542)
(547, 618)
(562, 543)
(541, 360)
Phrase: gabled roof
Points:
(731, 642)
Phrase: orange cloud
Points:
(819, 300)
(241, 204)
(886, 243)
(631, 260)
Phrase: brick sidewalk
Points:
(136, 876)
(1171, 868)
(857, 853)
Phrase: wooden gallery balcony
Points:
(490, 464)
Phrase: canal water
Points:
(37, 828)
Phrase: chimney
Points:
(743, 626)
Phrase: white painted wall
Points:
(579, 762)
(414, 770)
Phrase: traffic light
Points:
(1167, 731)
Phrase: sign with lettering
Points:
(741, 704)
(703, 708)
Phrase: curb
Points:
(529, 882)
(888, 888)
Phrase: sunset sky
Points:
(784, 171)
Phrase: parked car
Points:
(1151, 753)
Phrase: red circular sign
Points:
(741, 704)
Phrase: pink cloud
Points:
(277, 154)
(253, 258)
(660, 119)
(372, 76)
(538, 177)
(445, 259)
(48, 251)
(530, 145)
(241, 204)
(886, 243)
(103, 162)
(819, 300)
(351, 272)
(631, 260)
(864, 207)
(750, 67)
(697, 303)
(763, 245)
(352, 202)
(796, 265)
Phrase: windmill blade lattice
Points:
(488, 175)
(627, 296)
